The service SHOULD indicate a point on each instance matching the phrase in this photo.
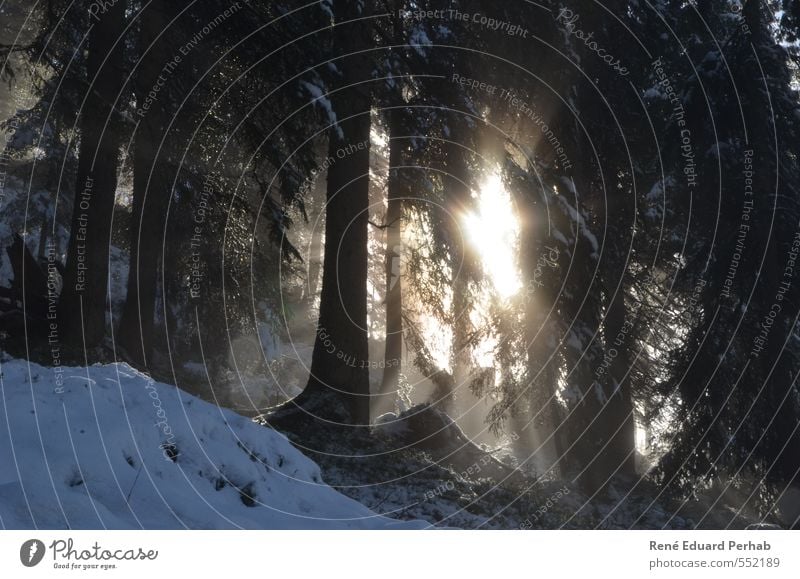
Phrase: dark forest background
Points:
(263, 203)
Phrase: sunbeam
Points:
(494, 233)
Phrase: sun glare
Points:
(493, 232)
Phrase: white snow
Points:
(599, 393)
(324, 102)
(654, 92)
(327, 8)
(25, 213)
(578, 217)
(420, 41)
(574, 341)
(89, 455)
(389, 425)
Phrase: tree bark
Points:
(462, 265)
(619, 456)
(151, 191)
(338, 388)
(541, 266)
(394, 253)
(84, 296)
(600, 427)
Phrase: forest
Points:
(505, 265)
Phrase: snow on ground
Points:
(107, 447)
(26, 212)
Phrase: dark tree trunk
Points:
(615, 430)
(338, 388)
(151, 190)
(582, 353)
(394, 251)
(540, 265)
(85, 291)
(600, 427)
(618, 426)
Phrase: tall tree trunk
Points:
(338, 388)
(581, 308)
(394, 253)
(151, 190)
(618, 425)
(83, 299)
(600, 426)
(462, 266)
(614, 430)
(540, 265)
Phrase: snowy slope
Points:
(89, 455)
